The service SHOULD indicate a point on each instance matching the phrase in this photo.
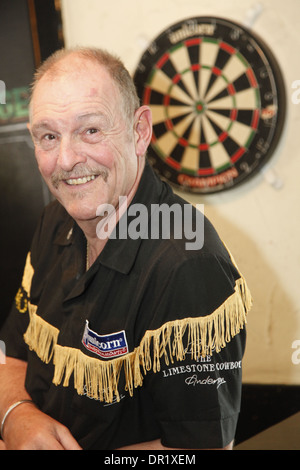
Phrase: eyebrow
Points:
(87, 116)
(40, 125)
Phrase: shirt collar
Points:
(119, 254)
(64, 235)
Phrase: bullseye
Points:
(200, 107)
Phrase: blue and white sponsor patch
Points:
(105, 346)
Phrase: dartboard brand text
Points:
(191, 29)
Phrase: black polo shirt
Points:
(146, 344)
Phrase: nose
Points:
(69, 154)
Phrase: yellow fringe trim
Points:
(24, 290)
(40, 336)
(27, 275)
(99, 379)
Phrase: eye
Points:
(91, 135)
(46, 141)
(92, 130)
(49, 137)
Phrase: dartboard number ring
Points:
(218, 102)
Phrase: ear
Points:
(142, 130)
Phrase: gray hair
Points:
(112, 64)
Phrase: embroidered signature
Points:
(193, 380)
(114, 400)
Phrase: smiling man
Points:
(115, 342)
(87, 150)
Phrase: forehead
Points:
(71, 83)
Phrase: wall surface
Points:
(260, 220)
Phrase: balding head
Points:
(60, 62)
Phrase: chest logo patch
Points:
(105, 346)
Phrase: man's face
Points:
(84, 149)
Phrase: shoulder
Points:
(188, 270)
(53, 226)
(55, 215)
(181, 237)
(193, 282)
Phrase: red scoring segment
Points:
(162, 60)
(237, 155)
(251, 78)
(255, 119)
(227, 48)
(193, 42)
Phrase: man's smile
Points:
(76, 178)
(80, 180)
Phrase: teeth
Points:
(83, 180)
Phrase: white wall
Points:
(258, 222)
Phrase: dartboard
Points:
(217, 98)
